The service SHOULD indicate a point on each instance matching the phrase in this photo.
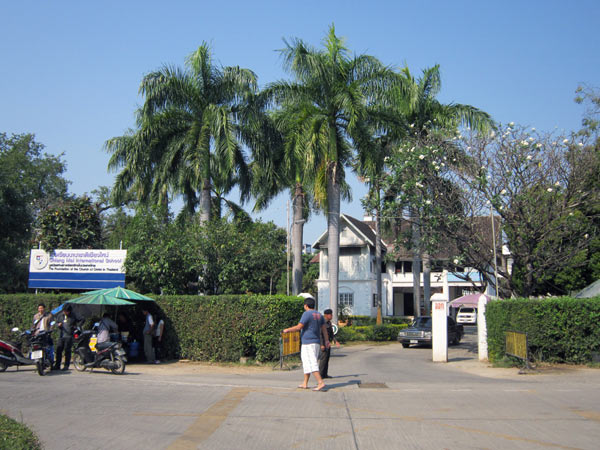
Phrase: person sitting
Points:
(105, 326)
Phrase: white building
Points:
(357, 277)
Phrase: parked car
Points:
(466, 314)
(420, 332)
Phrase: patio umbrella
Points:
(121, 293)
(471, 300)
(99, 298)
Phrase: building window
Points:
(347, 299)
(383, 268)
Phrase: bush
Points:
(379, 333)
(16, 436)
(559, 329)
(370, 321)
(210, 328)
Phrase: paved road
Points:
(382, 397)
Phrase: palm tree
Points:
(330, 92)
(422, 116)
(278, 166)
(189, 131)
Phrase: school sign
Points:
(77, 269)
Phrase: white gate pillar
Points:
(439, 327)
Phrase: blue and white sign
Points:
(77, 269)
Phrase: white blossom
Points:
(565, 141)
(428, 202)
(538, 145)
(549, 189)
(511, 124)
(503, 191)
(557, 183)
(529, 157)
(580, 144)
(421, 156)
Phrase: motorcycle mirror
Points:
(52, 323)
(97, 324)
(15, 329)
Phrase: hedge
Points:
(210, 328)
(559, 329)
(369, 332)
(368, 320)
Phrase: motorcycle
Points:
(41, 352)
(87, 356)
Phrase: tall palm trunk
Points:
(427, 282)
(205, 201)
(333, 241)
(297, 236)
(378, 257)
(416, 244)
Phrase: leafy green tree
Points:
(544, 189)
(330, 90)
(239, 259)
(29, 181)
(160, 256)
(189, 132)
(70, 223)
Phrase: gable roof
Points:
(359, 227)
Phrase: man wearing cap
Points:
(326, 351)
(312, 326)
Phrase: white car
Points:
(466, 314)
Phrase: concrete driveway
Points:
(381, 397)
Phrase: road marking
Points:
(592, 415)
(209, 421)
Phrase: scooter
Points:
(41, 353)
(88, 356)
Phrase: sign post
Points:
(439, 327)
(77, 269)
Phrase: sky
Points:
(70, 70)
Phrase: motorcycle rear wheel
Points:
(3, 366)
(43, 366)
(78, 362)
(120, 366)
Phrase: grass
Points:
(16, 436)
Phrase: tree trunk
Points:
(416, 244)
(205, 201)
(297, 236)
(378, 261)
(427, 283)
(333, 242)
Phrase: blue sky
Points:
(70, 70)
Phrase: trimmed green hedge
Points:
(210, 328)
(368, 320)
(369, 332)
(559, 329)
(227, 327)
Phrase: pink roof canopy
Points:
(471, 300)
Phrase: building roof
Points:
(361, 228)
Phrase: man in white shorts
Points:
(312, 326)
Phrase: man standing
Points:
(41, 320)
(148, 334)
(312, 326)
(326, 351)
(65, 341)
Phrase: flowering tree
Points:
(539, 187)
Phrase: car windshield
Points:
(466, 310)
(422, 322)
